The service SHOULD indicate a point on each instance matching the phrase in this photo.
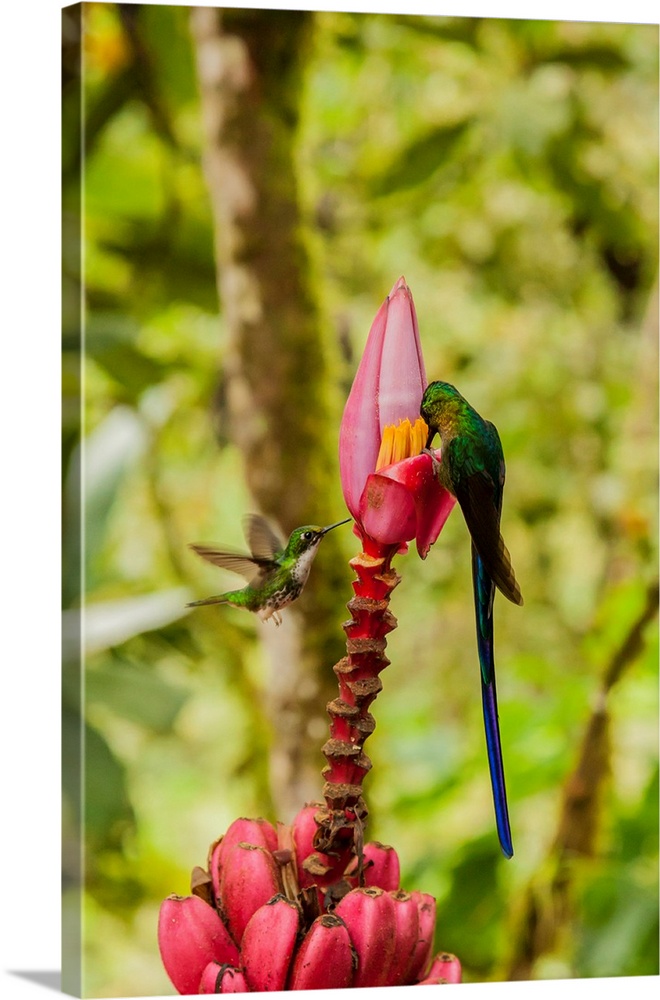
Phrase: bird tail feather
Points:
(484, 590)
(220, 599)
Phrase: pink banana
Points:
(380, 866)
(250, 877)
(214, 868)
(303, 830)
(406, 917)
(325, 959)
(446, 967)
(223, 979)
(268, 944)
(190, 935)
(210, 978)
(421, 955)
(369, 916)
(258, 832)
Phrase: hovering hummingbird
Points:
(472, 469)
(276, 573)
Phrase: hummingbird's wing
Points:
(480, 498)
(252, 569)
(262, 538)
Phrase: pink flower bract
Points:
(402, 500)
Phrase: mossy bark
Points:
(276, 378)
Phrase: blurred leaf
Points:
(621, 926)
(108, 813)
(177, 260)
(638, 832)
(599, 56)
(110, 623)
(473, 927)
(420, 160)
(136, 693)
(110, 342)
(166, 33)
(105, 102)
(110, 450)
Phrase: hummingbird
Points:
(472, 468)
(276, 572)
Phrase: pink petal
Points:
(387, 388)
(402, 375)
(359, 434)
(433, 503)
(387, 510)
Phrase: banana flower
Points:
(388, 484)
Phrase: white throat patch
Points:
(304, 564)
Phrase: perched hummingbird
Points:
(276, 573)
(472, 469)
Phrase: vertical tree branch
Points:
(250, 67)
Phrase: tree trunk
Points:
(250, 67)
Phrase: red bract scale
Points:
(310, 905)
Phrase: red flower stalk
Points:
(392, 492)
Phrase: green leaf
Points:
(132, 370)
(474, 904)
(419, 161)
(99, 787)
(111, 623)
(136, 693)
(166, 32)
(621, 933)
(594, 55)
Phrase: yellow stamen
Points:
(401, 442)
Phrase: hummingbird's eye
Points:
(307, 535)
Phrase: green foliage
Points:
(620, 904)
(509, 170)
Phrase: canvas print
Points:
(360, 449)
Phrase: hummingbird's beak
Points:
(430, 437)
(324, 531)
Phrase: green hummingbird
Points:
(276, 573)
(472, 468)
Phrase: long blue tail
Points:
(484, 593)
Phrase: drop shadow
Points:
(49, 979)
